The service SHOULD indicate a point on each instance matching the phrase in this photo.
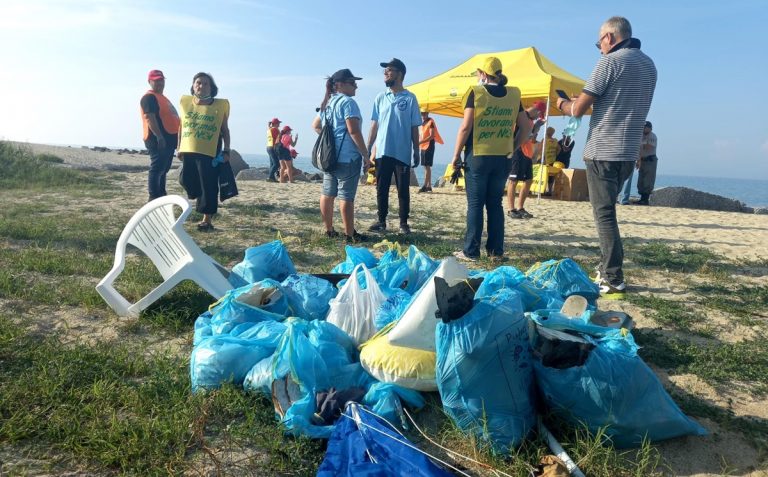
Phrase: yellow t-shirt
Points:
(201, 125)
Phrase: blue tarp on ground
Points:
(362, 445)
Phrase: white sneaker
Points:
(613, 292)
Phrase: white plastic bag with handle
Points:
(354, 308)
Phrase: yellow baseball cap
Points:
(491, 66)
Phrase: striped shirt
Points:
(622, 84)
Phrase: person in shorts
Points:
(344, 114)
(521, 167)
(428, 136)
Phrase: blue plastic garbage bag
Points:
(533, 296)
(391, 255)
(220, 359)
(614, 389)
(484, 371)
(309, 296)
(565, 276)
(362, 445)
(260, 301)
(355, 256)
(392, 275)
(386, 400)
(269, 260)
(392, 309)
(421, 267)
(202, 328)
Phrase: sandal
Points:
(204, 226)
(331, 233)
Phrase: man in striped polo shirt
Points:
(620, 91)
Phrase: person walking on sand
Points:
(486, 151)
(203, 137)
(646, 166)
(160, 122)
(620, 91)
(344, 115)
(285, 143)
(394, 132)
(273, 134)
(521, 165)
(428, 136)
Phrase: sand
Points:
(568, 226)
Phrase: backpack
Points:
(324, 154)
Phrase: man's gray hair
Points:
(619, 26)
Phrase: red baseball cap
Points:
(542, 107)
(155, 75)
(286, 129)
(275, 120)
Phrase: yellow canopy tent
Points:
(535, 75)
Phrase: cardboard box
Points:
(571, 184)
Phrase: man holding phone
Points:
(619, 91)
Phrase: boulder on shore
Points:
(685, 198)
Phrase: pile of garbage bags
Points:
(499, 346)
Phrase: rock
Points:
(686, 198)
(237, 162)
(761, 210)
(253, 174)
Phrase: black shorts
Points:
(428, 155)
(521, 167)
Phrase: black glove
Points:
(457, 174)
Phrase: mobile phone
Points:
(562, 94)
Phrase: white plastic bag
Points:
(354, 309)
(416, 328)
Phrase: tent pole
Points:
(543, 148)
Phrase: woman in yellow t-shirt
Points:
(203, 141)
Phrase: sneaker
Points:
(378, 227)
(428, 189)
(613, 292)
(524, 214)
(405, 229)
(331, 233)
(497, 258)
(463, 258)
(423, 189)
(514, 214)
(355, 237)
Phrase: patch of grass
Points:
(746, 302)
(111, 406)
(24, 170)
(682, 259)
(745, 362)
(63, 229)
(672, 314)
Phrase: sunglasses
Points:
(391, 70)
(597, 44)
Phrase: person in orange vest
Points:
(160, 123)
(428, 135)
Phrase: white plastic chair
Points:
(155, 231)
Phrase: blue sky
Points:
(74, 70)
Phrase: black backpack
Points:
(324, 154)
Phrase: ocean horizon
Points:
(751, 192)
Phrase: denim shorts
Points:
(342, 182)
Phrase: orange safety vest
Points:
(527, 148)
(429, 124)
(167, 114)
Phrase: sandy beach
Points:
(566, 227)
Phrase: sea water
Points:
(752, 192)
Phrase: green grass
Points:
(114, 406)
(678, 259)
(744, 363)
(24, 170)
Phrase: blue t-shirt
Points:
(342, 107)
(396, 114)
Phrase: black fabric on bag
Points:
(453, 302)
(324, 154)
(227, 183)
(330, 404)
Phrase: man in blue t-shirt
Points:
(394, 133)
